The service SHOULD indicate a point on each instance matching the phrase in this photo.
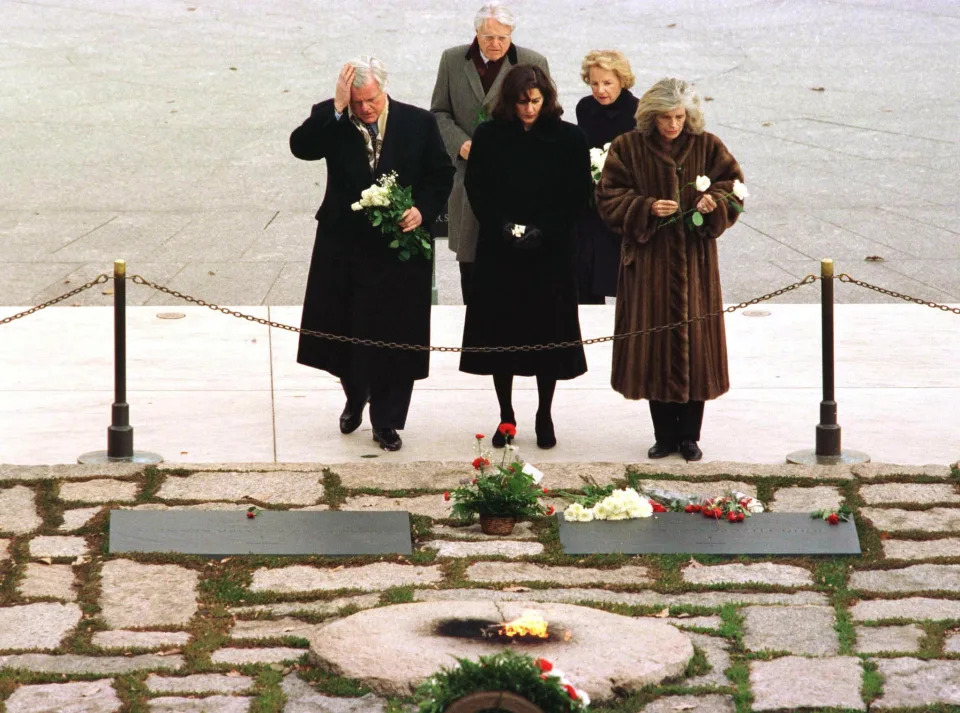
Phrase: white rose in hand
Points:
(518, 230)
(703, 183)
(740, 190)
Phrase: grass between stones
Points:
(153, 478)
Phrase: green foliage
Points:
(872, 685)
(387, 218)
(501, 491)
(593, 493)
(506, 671)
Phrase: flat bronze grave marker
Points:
(677, 532)
(217, 533)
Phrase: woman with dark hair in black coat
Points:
(603, 115)
(528, 181)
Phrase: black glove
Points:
(530, 239)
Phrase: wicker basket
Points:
(496, 525)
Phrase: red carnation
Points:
(546, 490)
(551, 510)
(251, 514)
(544, 665)
(571, 691)
(475, 481)
(740, 517)
(833, 518)
(446, 495)
(508, 429)
(479, 436)
(657, 507)
(478, 463)
(731, 517)
(688, 508)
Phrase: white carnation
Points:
(623, 505)
(356, 206)
(703, 183)
(740, 190)
(577, 513)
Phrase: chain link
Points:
(137, 279)
(98, 280)
(844, 277)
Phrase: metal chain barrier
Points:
(844, 277)
(98, 280)
(138, 280)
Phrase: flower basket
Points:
(493, 700)
(496, 525)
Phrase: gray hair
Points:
(666, 95)
(365, 67)
(495, 11)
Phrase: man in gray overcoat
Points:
(468, 84)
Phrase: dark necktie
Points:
(373, 130)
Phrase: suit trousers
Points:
(466, 279)
(675, 422)
(389, 401)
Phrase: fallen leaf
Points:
(816, 89)
(682, 616)
(663, 613)
(708, 99)
(672, 24)
(183, 453)
(517, 588)
(234, 674)
(685, 706)
(225, 560)
(108, 291)
(47, 560)
(169, 652)
(211, 272)
(875, 258)
(767, 123)
(694, 564)
(276, 667)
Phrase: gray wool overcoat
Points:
(457, 102)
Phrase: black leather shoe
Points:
(499, 440)
(660, 450)
(546, 437)
(388, 438)
(350, 420)
(690, 450)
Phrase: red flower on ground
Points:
(551, 510)
(571, 691)
(544, 665)
(833, 518)
(546, 490)
(446, 495)
(508, 429)
(657, 507)
(479, 463)
(251, 515)
(479, 436)
(741, 517)
(731, 517)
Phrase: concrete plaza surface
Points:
(157, 131)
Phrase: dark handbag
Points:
(530, 239)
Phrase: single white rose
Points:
(533, 472)
(518, 230)
(356, 206)
(740, 190)
(583, 696)
(703, 183)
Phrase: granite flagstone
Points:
(97, 665)
(199, 683)
(916, 608)
(76, 697)
(274, 487)
(239, 656)
(48, 580)
(210, 704)
(797, 499)
(324, 606)
(530, 572)
(918, 493)
(269, 629)
(913, 683)
(797, 630)
(888, 639)
(42, 625)
(58, 546)
(793, 682)
(77, 517)
(18, 510)
(144, 595)
(921, 549)
(125, 639)
(574, 595)
(433, 506)
(899, 520)
(501, 548)
(915, 578)
(738, 573)
(708, 703)
(371, 577)
(302, 698)
(101, 490)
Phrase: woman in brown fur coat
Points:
(669, 271)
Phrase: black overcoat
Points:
(598, 247)
(356, 286)
(536, 178)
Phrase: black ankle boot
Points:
(499, 440)
(546, 438)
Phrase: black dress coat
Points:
(598, 247)
(536, 178)
(357, 286)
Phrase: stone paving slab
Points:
(371, 577)
(66, 471)
(521, 531)
(211, 704)
(237, 656)
(709, 703)
(275, 487)
(717, 651)
(897, 520)
(691, 622)
(58, 546)
(912, 683)
(795, 682)
(706, 489)
(96, 665)
(142, 595)
(269, 629)
(888, 639)
(48, 580)
(797, 630)
(430, 505)
(951, 643)
(806, 500)
(199, 683)
(916, 578)
(103, 490)
(301, 698)
(919, 493)
(77, 697)
(326, 606)
(917, 608)
(36, 626)
(713, 469)
(124, 639)
(572, 576)
(711, 600)
(77, 517)
(759, 573)
(4, 549)
(18, 510)
(921, 549)
(870, 471)
(501, 548)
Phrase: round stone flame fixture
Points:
(393, 649)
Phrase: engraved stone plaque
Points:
(217, 533)
(676, 532)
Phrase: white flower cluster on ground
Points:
(619, 505)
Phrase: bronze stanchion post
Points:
(827, 451)
(120, 432)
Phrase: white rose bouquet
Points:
(385, 202)
(702, 183)
(597, 159)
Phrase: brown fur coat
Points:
(667, 273)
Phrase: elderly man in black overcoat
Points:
(357, 285)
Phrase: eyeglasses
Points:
(502, 39)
